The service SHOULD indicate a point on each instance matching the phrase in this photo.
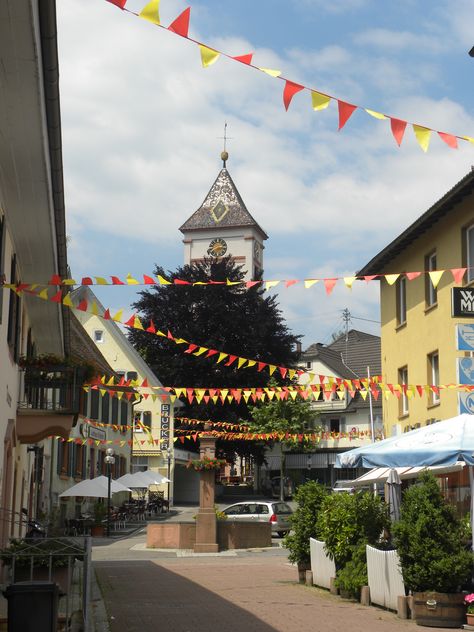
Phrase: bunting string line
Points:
(319, 100)
(328, 282)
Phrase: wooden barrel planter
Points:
(439, 610)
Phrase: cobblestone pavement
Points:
(249, 591)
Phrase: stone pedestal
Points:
(206, 521)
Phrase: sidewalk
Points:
(248, 590)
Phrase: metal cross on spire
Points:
(225, 138)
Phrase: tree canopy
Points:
(240, 321)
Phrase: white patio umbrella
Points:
(155, 478)
(142, 480)
(94, 488)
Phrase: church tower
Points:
(223, 226)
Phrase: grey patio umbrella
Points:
(394, 485)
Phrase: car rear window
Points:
(281, 508)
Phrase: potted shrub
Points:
(309, 497)
(100, 512)
(347, 523)
(434, 561)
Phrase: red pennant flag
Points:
(180, 26)
(190, 394)
(232, 358)
(116, 281)
(192, 347)
(250, 284)
(130, 322)
(329, 285)
(148, 280)
(55, 280)
(245, 59)
(151, 329)
(170, 335)
(398, 129)
(370, 277)
(58, 297)
(211, 352)
(412, 275)
(107, 314)
(82, 306)
(118, 3)
(181, 282)
(261, 366)
(458, 274)
(289, 92)
(181, 439)
(86, 281)
(345, 112)
(449, 139)
(283, 371)
(206, 398)
(291, 282)
(420, 389)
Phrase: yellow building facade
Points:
(418, 331)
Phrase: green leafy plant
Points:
(309, 497)
(353, 576)
(58, 552)
(206, 463)
(429, 540)
(346, 520)
(100, 512)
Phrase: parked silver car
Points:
(276, 513)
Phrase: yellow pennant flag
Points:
(172, 398)
(271, 369)
(229, 282)
(293, 395)
(320, 101)
(179, 391)
(131, 280)
(349, 281)
(199, 393)
(363, 394)
(251, 363)
(102, 391)
(377, 115)
(221, 357)
(435, 276)
(101, 281)
(423, 135)
(271, 72)
(118, 316)
(163, 281)
(94, 309)
(241, 362)
(270, 284)
(470, 139)
(137, 323)
(341, 394)
(150, 12)
(291, 373)
(209, 56)
(200, 351)
(119, 394)
(69, 282)
(67, 301)
(111, 381)
(391, 278)
(214, 399)
(246, 395)
(310, 282)
(43, 294)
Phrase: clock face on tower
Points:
(217, 247)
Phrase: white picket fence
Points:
(322, 566)
(385, 577)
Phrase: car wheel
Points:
(282, 533)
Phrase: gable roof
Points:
(223, 208)
(349, 359)
(424, 223)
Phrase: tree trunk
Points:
(282, 473)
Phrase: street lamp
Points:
(109, 460)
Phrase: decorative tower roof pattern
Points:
(222, 208)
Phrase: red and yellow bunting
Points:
(329, 283)
(319, 100)
(188, 421)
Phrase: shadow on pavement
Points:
(145, 597)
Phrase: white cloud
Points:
(396, 41)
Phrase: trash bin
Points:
(32, 606)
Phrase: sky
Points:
(142, 123)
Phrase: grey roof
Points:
(223, 207)
(349, 359)
(424, 223)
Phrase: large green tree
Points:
(233, 318)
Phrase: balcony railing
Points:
(52, 388)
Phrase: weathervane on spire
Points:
(225, 138)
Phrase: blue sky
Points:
(142, 121)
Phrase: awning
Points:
(380, 474)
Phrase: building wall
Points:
(427, 329)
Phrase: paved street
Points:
(254, 590)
